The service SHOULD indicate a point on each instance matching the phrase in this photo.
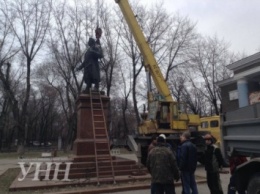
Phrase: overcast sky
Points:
(236, 21)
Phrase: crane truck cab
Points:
(212, 125)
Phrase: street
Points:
(202, 188)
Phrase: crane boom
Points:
(164, 114)
(150, 62)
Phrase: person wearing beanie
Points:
(167, 144)
(161, 164)
(213, 162)
(162, 135)
(187, 161)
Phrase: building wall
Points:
(227, 104)
(230, 105)
(247, 69)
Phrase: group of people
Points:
(166, 166)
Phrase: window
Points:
(214, 123)
(233, 95)
(204, 124)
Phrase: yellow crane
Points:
(164, 114)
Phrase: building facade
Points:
(243, 88)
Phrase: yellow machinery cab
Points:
(211, 124)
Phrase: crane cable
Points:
(97, 5)
(98, 30)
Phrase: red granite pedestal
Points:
(83, 147)
(84, 159)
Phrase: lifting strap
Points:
(98, 31)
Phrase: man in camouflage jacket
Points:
(162, 165)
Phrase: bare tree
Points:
(184, 92)
(126, 90)
(110, 45)
(8, 50)
(118, 123)
(43, 115)
(49, 77)
(208, 62)
(29, 21)
(180, 39)
(131, 51)
(6, 132)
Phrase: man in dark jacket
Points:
(213, 162)
(161, 164)
(187, 163)
(91, 65)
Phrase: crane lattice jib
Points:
(150, 61)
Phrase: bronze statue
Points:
(91, 65)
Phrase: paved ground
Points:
(8, 163)
(203, 189)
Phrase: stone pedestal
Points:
(84, 144)
(84, 161)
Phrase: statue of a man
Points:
(91, 65)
